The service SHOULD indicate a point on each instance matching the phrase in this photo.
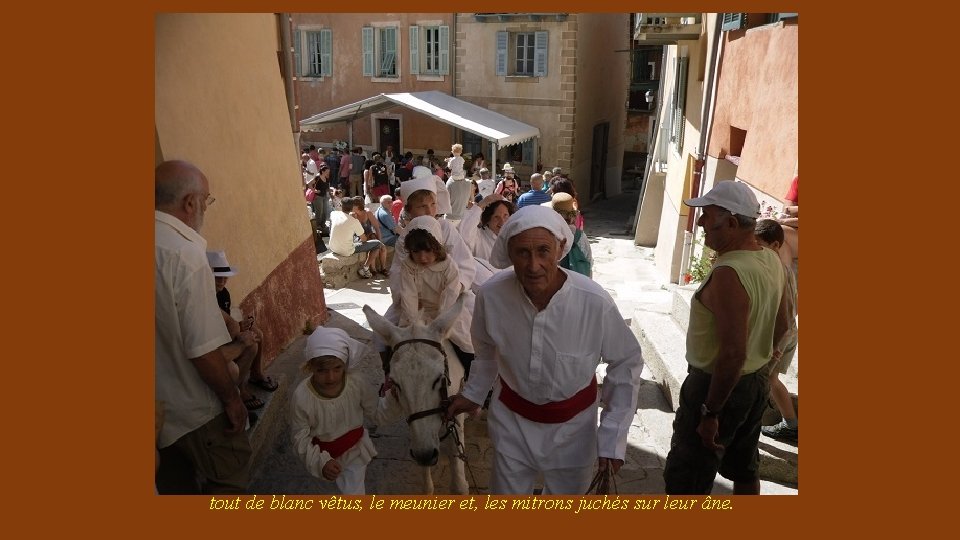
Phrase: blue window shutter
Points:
(326, 52)
(389, 64)
(444, 50)
(297, 67)
(367, 36)
(540, 54)
(680, 103)
(528, 151)
(733, 21)
(501, 63)
(415, 50)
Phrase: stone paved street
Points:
(626, 271)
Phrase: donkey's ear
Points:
(384, 328)
(444, 322)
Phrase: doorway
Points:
(389, 134)
(598, 161)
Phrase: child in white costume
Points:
(456, 162)
(430, 283)
(328, 409)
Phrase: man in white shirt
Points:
(343, 228)
(485, 185)
(204, 416)
(539, 333)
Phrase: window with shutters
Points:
(313, 49)
(380, 45)
(679, 103)
(521, 54)
(430, 50)
(733, 21)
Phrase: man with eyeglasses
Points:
(204, 417)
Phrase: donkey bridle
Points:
(444, 398)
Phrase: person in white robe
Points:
(539, 333)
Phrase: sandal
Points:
(253, 403)
(267, 384)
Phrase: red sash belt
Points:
(554, 412)
(341, 444)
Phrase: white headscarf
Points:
(416, 184)
(427, 223)
(530, 217)
(333, 342)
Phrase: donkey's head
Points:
(420, 370)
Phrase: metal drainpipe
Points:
(452, 65)
(706, 124)
(286, 43)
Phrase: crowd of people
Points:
(532, 332)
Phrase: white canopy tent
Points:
(500, 130)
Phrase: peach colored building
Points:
(235, 125)
(342, 58)
(728, 110)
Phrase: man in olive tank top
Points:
(736, 316)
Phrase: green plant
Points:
(701, 264)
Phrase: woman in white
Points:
(482, 222)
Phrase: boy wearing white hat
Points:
(244, 350)
(328, 409)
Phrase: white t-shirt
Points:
(486, 187)
(342, 229)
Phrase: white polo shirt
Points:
(188, 325)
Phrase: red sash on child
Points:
(341, 444)
(553, 412)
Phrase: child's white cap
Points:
(427, 223)
(333, 342)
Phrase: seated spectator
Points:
(347, 237)
(536, 194)
(388, 225)
(371, 227)
(244, 349)
(396, 208)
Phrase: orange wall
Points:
(348, 85)
(758, 92)
(233, 124)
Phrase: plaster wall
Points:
(346, 84)
(603, 79)
(233, 124)
(758, 92)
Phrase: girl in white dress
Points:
(430, 283)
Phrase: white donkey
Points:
(425, 370)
